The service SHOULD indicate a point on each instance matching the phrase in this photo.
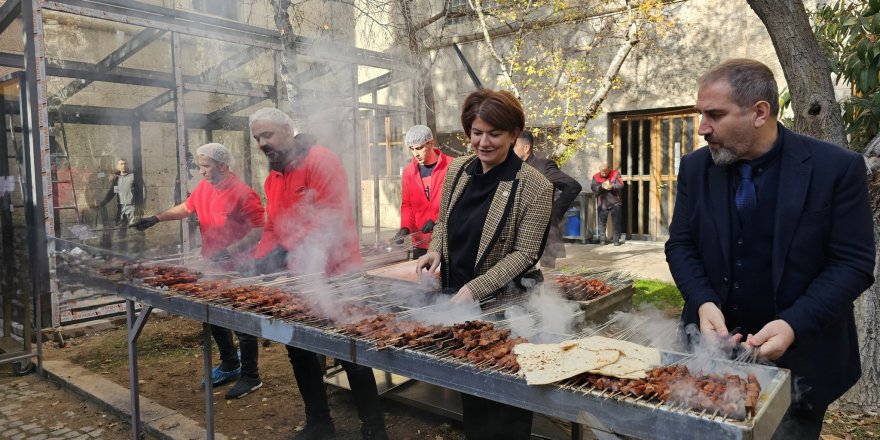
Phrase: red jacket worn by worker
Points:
(421, 198)
(310, 215)
(227, 212)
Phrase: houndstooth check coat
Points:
(514, 232)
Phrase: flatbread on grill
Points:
(634, 362)
(547, 363)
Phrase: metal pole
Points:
(132, 370)
(209, 396)
(35, 130)
(358, 175)
(182, 162)
(376, 193)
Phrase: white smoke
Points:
(545, 317)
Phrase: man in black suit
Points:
(772, 234)
(566, 189)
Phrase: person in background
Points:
(564, 185)
(310, 228)
(494, 215)
(607, 185)
(231, 219)
(129, 196)
(420, 187)
(772, 233)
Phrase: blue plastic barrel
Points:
(573, 222)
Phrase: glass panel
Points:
(634, 207)
(634, 147)
(624, 148)
(646, 147)
(15, 283)
(646, 208)
(676, 131)
(78, 42)
(665, 147)
(665, 210)
(689, 134)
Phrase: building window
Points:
(459, 12)
(221, 8)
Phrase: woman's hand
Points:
(463, 296)
(429, 262)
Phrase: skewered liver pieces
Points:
(729, 395)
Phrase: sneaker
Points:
(219, 376)
(243, 387)
(316, 431)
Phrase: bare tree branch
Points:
(428, 21)
(478, 7)
(607, 82)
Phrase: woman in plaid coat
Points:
(491, 231)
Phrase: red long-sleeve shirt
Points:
(416, 206)
(309, 214)
(227, 212)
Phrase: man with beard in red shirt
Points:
(310, 229)
(421, 185)
(231, 219)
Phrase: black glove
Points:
(428, 226)
(221, 255)
(398, 237)
(274, 261)
(146, 223)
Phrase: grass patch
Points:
(660, 294)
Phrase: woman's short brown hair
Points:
(499, 109)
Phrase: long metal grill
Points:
(353, 298)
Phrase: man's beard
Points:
(277, 166)
(727, 153)
(723, 155)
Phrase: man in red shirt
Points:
(422, 182)
(310, 229)
(231, 219)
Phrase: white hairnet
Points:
(272, 115)
(216, 151)
(418, 135)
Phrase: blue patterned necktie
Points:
(746, 199)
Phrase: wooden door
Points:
(648, 150)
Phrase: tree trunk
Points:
(285, 28)
(864, 396)
(411, 30)
(807, 72)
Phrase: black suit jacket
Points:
(823, 254)
(569, 187)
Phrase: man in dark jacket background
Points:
(566, 189)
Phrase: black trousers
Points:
(800, 424)
(250, 350)
(310, 380)
(615, 223)
(486, 419)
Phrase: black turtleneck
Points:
(468, 217)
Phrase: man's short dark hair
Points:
(750, 81)
(528, 137)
